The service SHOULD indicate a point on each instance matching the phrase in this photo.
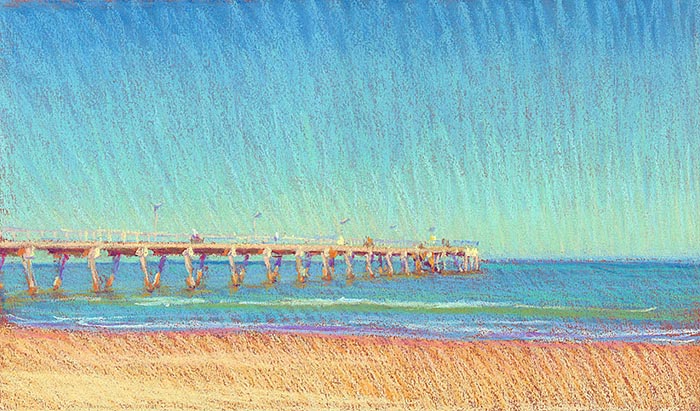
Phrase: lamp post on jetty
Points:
(341, 239)
(155, 219)
(255, 217)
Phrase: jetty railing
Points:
(131, 236)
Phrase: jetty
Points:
(380, 257)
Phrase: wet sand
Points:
(50, 369)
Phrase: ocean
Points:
(544, 301)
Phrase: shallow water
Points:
(655, 302)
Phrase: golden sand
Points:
(47, 369)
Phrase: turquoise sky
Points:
(541, 129)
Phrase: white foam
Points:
(168, 301)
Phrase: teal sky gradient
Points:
(541, 129)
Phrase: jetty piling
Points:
(236, 279)
(61, 260)
(348, 256)
(332, 253)
(27, 254)
(242, 271)
(368, 265)
(2, 283)
(325, 271)
(200, 271)
(404, 262)
(187, 254)
(116, 258)
(267, 254)
(161, 267)
(299, 257)
(389, 266)
(418, 262)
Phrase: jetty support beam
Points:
(441, 262)
(368, 264)
(61, 260)
(331, 261)
(161, 268)
(276, 271)
(27, 254)
(116, 258)
(390, 266)
(326, 275)
(418, 261)
(93, 254)
(301, 272)
(2, 261)
(236, 279)
(431, 261)
(142, 253)
(348, 256)
(189, 280)
(241, 272)
(404, 262)
(200, 271)
(267, 254)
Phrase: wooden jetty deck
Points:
(379, 257)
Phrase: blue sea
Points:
(547, 301)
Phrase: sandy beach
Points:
(51, 369)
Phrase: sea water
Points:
(601, 301)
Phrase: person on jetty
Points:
(195, 238)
